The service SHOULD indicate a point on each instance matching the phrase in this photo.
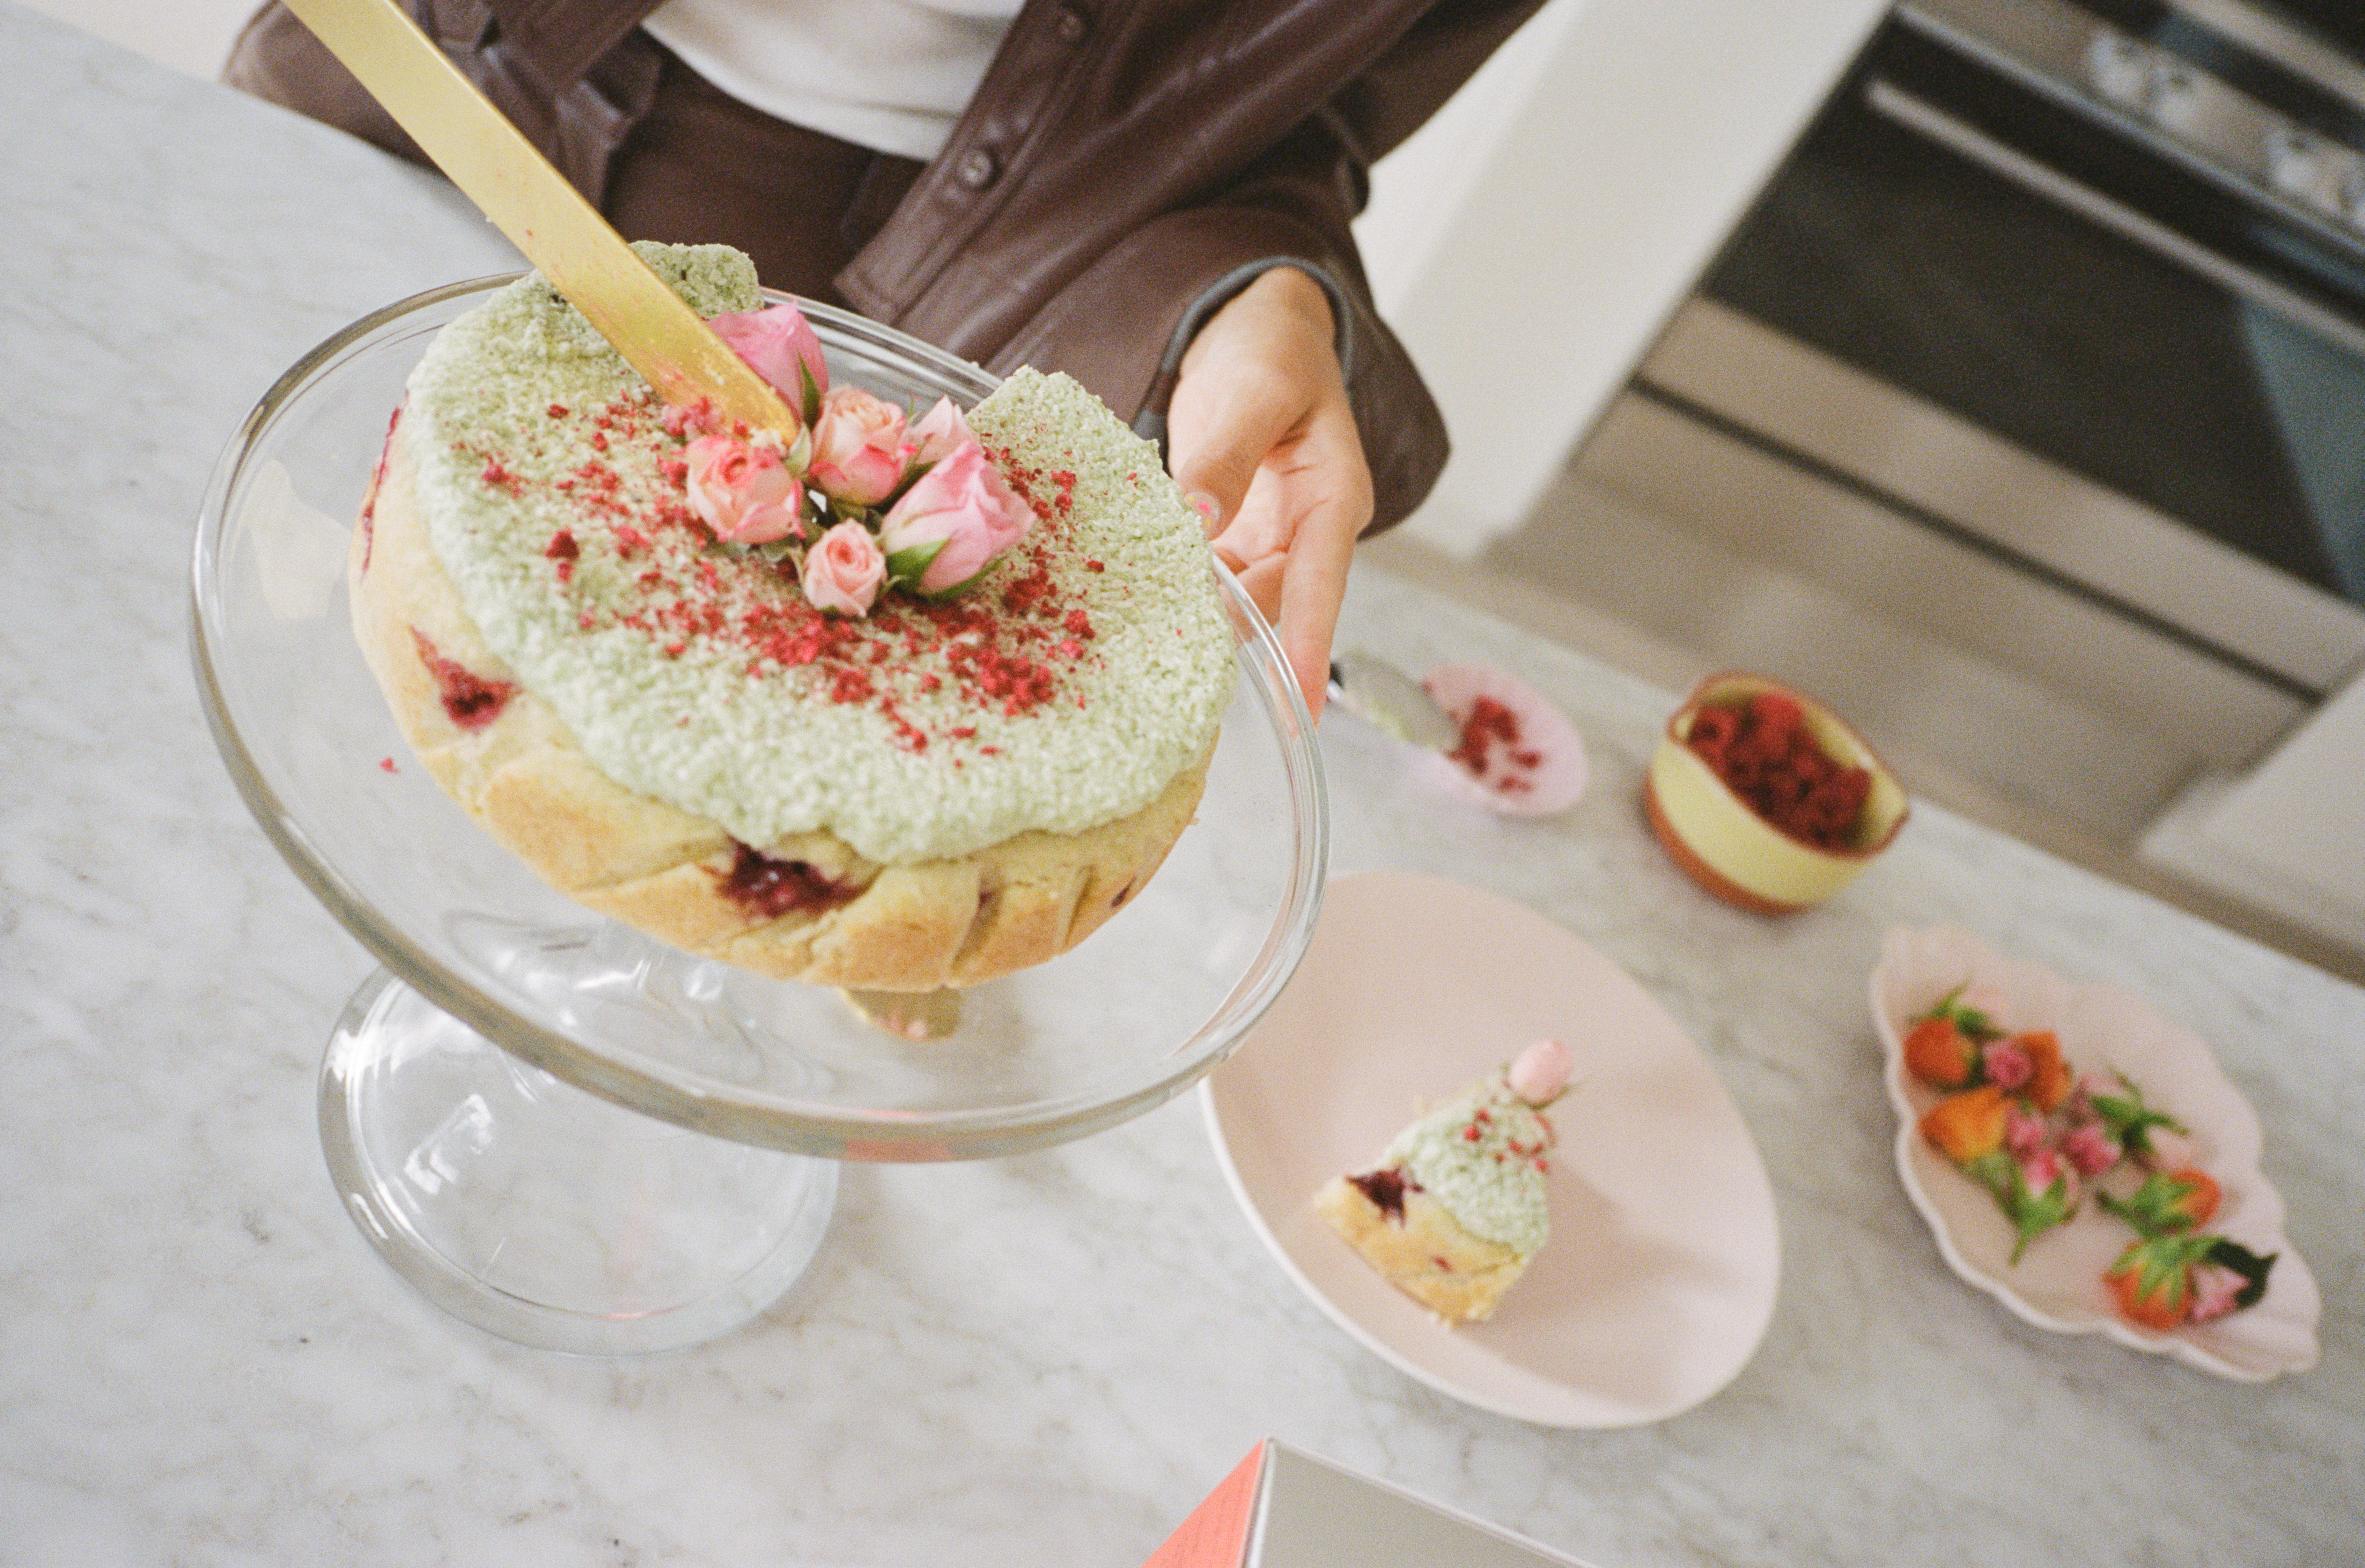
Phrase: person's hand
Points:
(1260, 439)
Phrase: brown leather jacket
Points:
(1124, 168)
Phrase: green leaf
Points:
(2228, 1253)
(906, 567)
(811, 399)
(2034, 1213)
(2130, 1121)
(1969, 1019)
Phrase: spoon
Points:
(1392, 702)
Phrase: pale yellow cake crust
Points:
(665, 871)
(1424, 1252)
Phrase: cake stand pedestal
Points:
(543, 1214)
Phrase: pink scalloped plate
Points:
(2057, 1283)
(1543, 774)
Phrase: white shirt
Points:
(891, 74)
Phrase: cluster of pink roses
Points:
(863, 498)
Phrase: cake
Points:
(1454, 1208)
(686, 724)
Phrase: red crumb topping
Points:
(498, 475)
(1764, 752)
(472, 701)
(1490, 727)
(1007, 648)
(764, 886)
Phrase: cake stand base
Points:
(541, 1212)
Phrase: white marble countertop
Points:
(1049, 1357)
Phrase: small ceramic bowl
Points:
(1723, 844)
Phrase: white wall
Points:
(1531, 242)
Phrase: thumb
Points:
(1214, 473)
(1216, 454)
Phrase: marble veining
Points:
(1043, 1358)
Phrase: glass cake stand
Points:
(581, 1138)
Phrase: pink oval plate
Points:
(1659, 1279)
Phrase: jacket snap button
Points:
(977, 169)
(1073, 24)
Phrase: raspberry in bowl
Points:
(1766, 798)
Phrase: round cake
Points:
(687, 725)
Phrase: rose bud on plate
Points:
(2153, 1137)
(2037, 1191)
(2031, 1065)
(1943, 1048)
(2169, 1203)
(2166, 1282)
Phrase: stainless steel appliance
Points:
(2047, 341)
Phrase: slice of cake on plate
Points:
(1454, 1208)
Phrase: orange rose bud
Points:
(1966, 1125)
(2153, 1286)
(2050, 1082)
(1938, 1053)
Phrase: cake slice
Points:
(1454, 1208)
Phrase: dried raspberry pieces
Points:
(1763, 750)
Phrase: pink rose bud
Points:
(2008, 1065)
(2213, 1290)
(779, 345)
(2090, 1148)
(1541, 1072)
(952, 522)
(743, 491)
(2023, 1133)
(940, 430)
(859, 447)
(843, 573)
(2040, 1168)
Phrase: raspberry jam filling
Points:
(1386, 1190)
(470, 700)
(762, 885)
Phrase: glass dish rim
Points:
(715, 1106)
